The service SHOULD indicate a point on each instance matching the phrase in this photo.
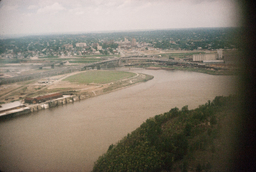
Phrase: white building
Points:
(220, 53)
(99, 47)
(81, 44)
(13, 108)
(202, 57)
(133, 42)
(126, 40)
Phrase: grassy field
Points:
(99, 77)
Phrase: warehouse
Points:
(202, 57)
(42, 98)
(13, 108)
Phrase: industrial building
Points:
(42, 98)
(220, 53)
(202, 57)
(13, 108)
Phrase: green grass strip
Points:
(99, 77)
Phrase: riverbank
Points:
(178, 140)
(158, 68)
(75, 94)
(113, 86)
(208, 71)
(211, 69)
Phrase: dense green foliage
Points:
(165, 139)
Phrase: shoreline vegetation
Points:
(194, 69)
(178, 140)
(207, 71)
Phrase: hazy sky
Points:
(65, 16)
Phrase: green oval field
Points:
(99, 77)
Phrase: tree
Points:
(110, 147)
(187, 129)
(174, 112)
(111, 50)
(184, 108)
(213, 120)
(170, 57)
(180, 143)
(199, 168)
(105, 52)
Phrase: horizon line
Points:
(9, 36)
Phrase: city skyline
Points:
(30, 17)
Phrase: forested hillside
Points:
(178, 140)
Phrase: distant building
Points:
(81, 44)
(220, 53)
(172, 42)
(125, 44)
(99, 47)
(93, 50)
(68, 46)
(97, 52)
(95, 45)
(126, 40)
(202, 57)
(134, 42)
(13, 108)
(29, 100)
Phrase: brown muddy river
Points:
(73, 136)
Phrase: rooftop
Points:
(7, 106)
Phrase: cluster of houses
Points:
(80, 48)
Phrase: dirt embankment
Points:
(19, 91)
